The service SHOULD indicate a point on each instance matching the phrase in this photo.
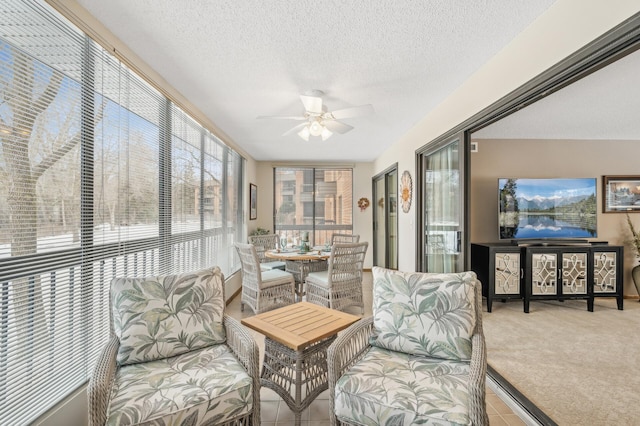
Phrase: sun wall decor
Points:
(406, 189)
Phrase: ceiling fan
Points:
(320, 122)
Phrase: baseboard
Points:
(235, 293)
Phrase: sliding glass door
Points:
(313, 200)
(385, 219)
(443, 185)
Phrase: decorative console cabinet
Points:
(542, 272)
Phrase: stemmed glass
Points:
(283, 243)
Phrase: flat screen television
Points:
(544, 209)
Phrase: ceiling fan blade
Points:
(357, 111)
(312, 104)
(294, 129)
(337, 126)
(283, 117)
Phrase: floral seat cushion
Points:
(162, 316)
(208, 386)
(393, 388)
(429, 314)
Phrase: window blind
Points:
(100, 176)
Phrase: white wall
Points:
(564, 28)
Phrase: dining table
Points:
(301, 263)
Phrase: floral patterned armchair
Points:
(175, 357)
(421, 357)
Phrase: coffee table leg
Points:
(287, 371)
(298, 409)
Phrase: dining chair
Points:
(419, 359)
(340, 286)
(263, 290)
(174, 356)
(344, 238)
(263, 243)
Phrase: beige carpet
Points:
(578, 367)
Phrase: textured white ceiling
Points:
(236, 60)
(602, 106)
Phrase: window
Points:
(315, 200)
(100, 176)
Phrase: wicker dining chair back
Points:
(264, 243)
(344, 238)
(263, 290)
(340, 286)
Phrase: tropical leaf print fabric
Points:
(162, 316)
(424, 313)
(398, 389)
(208, 386)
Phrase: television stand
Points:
(549, 272)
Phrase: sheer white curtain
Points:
(442, 192)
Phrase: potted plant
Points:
(260, 231)
(635, 272)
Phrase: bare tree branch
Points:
(63, 149)
(49, 94)
(56, 155)
(207, 172)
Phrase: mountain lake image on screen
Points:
(547, 208)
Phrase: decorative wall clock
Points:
(406, 189)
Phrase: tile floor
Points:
(275, 412)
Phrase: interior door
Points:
(385, 219)
(443, 174)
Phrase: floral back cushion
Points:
(162, 316)
(424, 313)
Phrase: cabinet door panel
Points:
(544, 273)
(574, 273)
(507, 273)
(604, 272)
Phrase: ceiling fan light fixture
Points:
(318, 122)
(315, 128)
(326, 133)
(304, 133)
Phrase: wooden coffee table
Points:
(296, 340)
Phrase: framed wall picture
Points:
(253, 202)
(621, 194)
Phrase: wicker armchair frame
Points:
(259, 295)
(353, 343)
(343, 286)
(238, 339)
